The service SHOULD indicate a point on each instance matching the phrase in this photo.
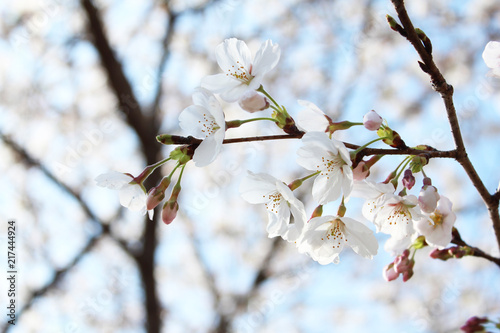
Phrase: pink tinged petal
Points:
(360, 238)
(113, 180)
(208, 149)
(372, 121)
(256, 188)
(390, 273)
(428, 199)
(266, 58)
(133, 197)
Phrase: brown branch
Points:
(457, 239)
(30, 161)
(439, 83)
(431, 153)
(145, 128)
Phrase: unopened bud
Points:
(389, 273)
(428, 198)
(361, 171)
(154, 198)
(372, 121)
(408, 179)
(169, 211)
(253, 101)
(318, 211)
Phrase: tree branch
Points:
(439, 83)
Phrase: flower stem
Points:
(238, 123)
(149, 169)
(367, 144)
(262, 90)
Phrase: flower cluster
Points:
(337, 173)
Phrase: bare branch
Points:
(446, 91)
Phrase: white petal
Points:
(326, 188)
(113, 180)
(319, 139)
(360, 238)
(219, 83)
(208, 149)
(256, 188)
(298, 212)
(234, 93)
(491, 54)
(189, 120)
(310, 157)
(232, 52)
(133, 197)
(266, 59)
(311, 118)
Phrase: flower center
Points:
(437, 218)
(239, 72)
(274, 201)
(208, 124)
(400, 212)
(336, 234)
(329, 165)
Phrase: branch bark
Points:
(446, 91)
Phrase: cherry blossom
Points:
(331, 159)
(437, 226)
(279, 201)
(132, 195)
(324, 239)
(241, 74)
(396, 215)
(204, 119)
(491, 56)
(374, 193)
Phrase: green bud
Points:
(182, 154)
(419, 243)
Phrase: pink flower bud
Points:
(428, 198)
(474, 324)
(372, 121)
(169, 211)
(253, 101)
(389, 273)
(154, 198)
(408, 179)
(361, 171)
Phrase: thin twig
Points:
(446, 91)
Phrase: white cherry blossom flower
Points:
(396, 215)
(132, 195)
(262, 188)
(491, 56)
(240, 73)
(331, 158)
(324, 238)
(311, 118)
(375, 195)
(437, 226)
(204, 119)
